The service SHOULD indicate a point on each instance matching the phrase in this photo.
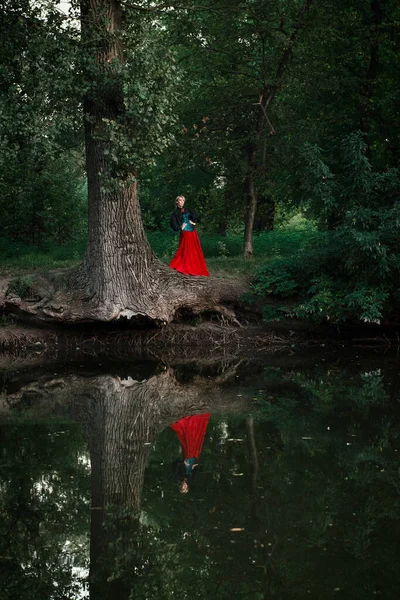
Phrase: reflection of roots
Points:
(162, 395)
(172, 343)
(209, 340)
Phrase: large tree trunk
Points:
(119, 262)
(120, 276)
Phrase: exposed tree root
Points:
(64, 297)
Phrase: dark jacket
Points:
(176, 218)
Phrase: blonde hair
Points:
(180, 198)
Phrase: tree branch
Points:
(163, 8)
(283, 63)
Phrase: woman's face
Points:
(183, 487)
(180, 202)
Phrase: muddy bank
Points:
(206, 340)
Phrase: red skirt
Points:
(191, 432)
(189, 258)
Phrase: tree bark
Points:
(251, 202)
(120, 277)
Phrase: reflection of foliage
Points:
(43, 524)
(318, 518)
(311, 482)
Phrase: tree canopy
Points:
(253, 110)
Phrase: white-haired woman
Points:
(189, 258)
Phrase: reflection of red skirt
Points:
(191, 432)
(189, 258)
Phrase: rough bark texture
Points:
(120, 277)
(154, 297)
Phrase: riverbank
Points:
(31, 344)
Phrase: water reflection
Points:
(297, 494)
(190, 431)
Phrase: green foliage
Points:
(188, 112)
(42, 195)
(222, 249)
(352, 271)
(22, 286)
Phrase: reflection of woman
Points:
(189, 258)
(191, 432)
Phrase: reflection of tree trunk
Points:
(262, 536)
(253, 456)
(120, 425)
(122, 419)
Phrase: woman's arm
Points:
(194, 217)
(175, 222)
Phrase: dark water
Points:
(296, 494)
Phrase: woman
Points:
(191, 432)
(189, 258)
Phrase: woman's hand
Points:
(191, 222)
(183, 226)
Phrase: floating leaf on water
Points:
(237, 474)
(237, 529)
(306, 438)
(235, 440)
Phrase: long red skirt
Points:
(191, 432)
(189, 258)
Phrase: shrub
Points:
(353, 270)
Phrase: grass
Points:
(223, 254)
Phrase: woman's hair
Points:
(183, 486)
(180, 198)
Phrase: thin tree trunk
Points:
(251, 203)
(266, 98)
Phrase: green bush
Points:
(353, 270)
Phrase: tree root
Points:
(57, 298)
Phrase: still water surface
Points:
(296, 492)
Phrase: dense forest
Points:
(279, 122)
